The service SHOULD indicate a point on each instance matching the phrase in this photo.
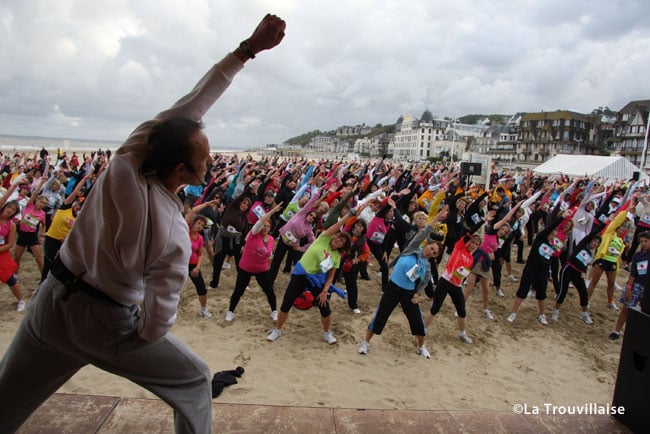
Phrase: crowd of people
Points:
(328, 220)
(573, 227)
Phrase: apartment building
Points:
(630, 131)
(536, 137)
(424, 138)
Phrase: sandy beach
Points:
(566, 362)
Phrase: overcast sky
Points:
(96, 68)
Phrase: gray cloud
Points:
(96, 69)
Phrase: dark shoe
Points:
(614, 336)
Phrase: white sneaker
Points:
(500, 293)
(612, 306)
(274, 335)
(205, 313)
(424, 352)
(226, 265)
(555, 316)
(230, 316)
(512, 278)
(488, 314)
(512, 317)
(531, 294)
(587, 283)
(328, 337)
(357, 311)
(20, 306)
(464, 338)
(274, 315)
(586, 318)
(542, 319)
(456, 314)
(617, 286)
(363, 349)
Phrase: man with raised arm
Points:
(111, 297)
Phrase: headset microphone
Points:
(190, 169)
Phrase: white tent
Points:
(590, 165)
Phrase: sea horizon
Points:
(12, 142)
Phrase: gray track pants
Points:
(57, 337)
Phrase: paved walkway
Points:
(65, 413)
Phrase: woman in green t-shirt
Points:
(315, 272)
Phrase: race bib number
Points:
(613, 251)
(30, 221)
(545, 251)
(289, 238)
(461, 272)
(602, 218)
(642, 268)
(412, 274)
(646, 219)
(558, 244)
(476, 218)
(584, 257)
(326, 264)
(377, 237)
(231, 230)
(259, 211)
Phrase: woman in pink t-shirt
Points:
(256, 261)
(196, 258)
(31, 230)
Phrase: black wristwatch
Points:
(243, 46)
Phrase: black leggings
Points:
(198, 281)
(570, 274)
(378, 252)
(393, 296)
(536, 280)
(220, 257)
(244, 278)
(279, 253)
(51, 248)
(497, 267)
(297, 285)
(351, 286)
(443, 288)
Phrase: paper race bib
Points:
(326, 264)
(642, 268)
(501, 242)
(377, 237)
(2, 239)
(545, 251)
(461, 272)
(558, 244)
(289, 238)
(412, 274)
(646, 219)
(602, 218)
(613, 251)
(30, 221)
(584, 257)
(476, 218)
(259, 211)
(231, 229)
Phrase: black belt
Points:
(75, 284)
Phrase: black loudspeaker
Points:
(636, 176)
(633, 379)
(470, 169)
